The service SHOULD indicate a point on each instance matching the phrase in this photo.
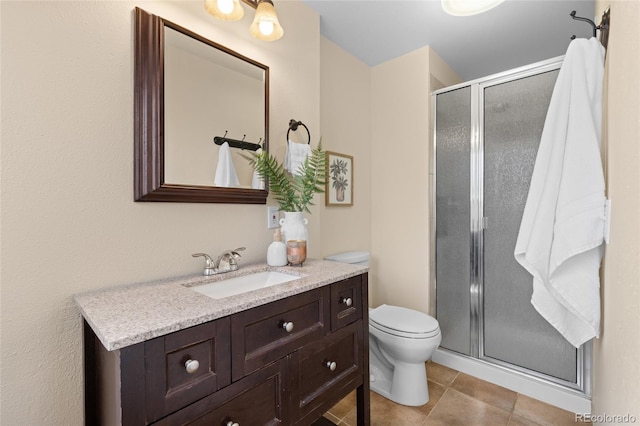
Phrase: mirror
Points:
(191, 95)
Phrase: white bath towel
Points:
(225, 172)
(256, 181)
(562, 229)
(295, 156)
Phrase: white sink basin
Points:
(243, 284)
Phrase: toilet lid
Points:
(403, 322)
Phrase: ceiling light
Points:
(227, 10)
(468, 7)
(265, 25)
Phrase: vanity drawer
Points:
(346, 302)
(328, 369)
(184, 366)
(259, 399)
(260, 335)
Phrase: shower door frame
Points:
(478, 222)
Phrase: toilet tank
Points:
(354, 257)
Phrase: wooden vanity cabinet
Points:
(142, 383)
(332, 366)
(169, 385)
(285, 362)
(258, 399)
(260, 335)
(347, 302)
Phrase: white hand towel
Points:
(562, 229)
(256, 181)
(225, 172)
(295, 156)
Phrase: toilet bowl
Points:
(401, 340)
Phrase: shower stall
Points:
(486, 138)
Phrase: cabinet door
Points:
(328, 370)
(258, 399)
(266, 333)
(346, 302)
(184, 366)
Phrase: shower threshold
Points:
(542, 390)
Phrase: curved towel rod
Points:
(293, 125)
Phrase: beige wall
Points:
(69, 223)
(400, 116)
(346, 128)
(617, 352)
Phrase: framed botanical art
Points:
(339, 181)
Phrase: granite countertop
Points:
(125, 315)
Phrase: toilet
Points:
(401, 340)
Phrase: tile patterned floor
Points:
(456, 399)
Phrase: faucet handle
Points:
(208, 260)
(235, 252)
(231, 256)
(209, 268)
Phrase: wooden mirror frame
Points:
(149, 121)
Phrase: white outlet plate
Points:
(273, 217)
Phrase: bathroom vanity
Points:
(161, 353)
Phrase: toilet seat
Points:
(403, 322)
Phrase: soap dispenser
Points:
(277, 251)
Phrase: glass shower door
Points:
(453, 133)
(487, 134)
(513, 331)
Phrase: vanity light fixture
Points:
(468, 7)
(265, 25)
(227, 10)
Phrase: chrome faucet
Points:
(226, 262)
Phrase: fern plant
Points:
(293, 193)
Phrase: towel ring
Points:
(293, 125)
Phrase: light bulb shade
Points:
(468, 7)
(227, 10)
(265, 25)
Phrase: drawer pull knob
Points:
(331, 365)
(232, 423)
(287, 326)
(346, 300)
(191, 365)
